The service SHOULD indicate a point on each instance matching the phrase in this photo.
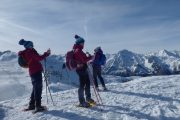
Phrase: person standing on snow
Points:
(96, 64)
(81, 60)
(33, 59)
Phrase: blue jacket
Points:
(96, 59)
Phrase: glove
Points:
(47, 53)
(88, 54)
(90, 62)
(63, 66)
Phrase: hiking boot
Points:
(29, 108)
(91, 101)
(84, 104)
(97, 89)
(104, 88)
(39, 109)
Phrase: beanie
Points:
(79, 39)
(27, 44)
(97, 49)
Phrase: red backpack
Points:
(70, 61)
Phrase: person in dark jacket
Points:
(35, 71)
(81, 70)
(97, 68)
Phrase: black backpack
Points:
(22, 62)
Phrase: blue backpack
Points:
(102, 60)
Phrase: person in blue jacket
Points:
(97, 62)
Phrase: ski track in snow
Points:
(148, 98)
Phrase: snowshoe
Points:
(40, 109)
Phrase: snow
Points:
(127, 63)
(150, 98)
(14, 81)
(128, 98)
(7, 56)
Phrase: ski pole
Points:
(45, 77)
(47, 85)
(95, 87)
(50, 94)
(95, 90)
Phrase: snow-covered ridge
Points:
(127, 63)
(124, 63)
(7, 55)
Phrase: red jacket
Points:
(79, 55)
(33, 59)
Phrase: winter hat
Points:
(97, 49)
(79, 39)
(27, 44)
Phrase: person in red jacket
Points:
(31, 56)
(81, 60)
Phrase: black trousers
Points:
(84, 85)
(35, 99)
(97, 74)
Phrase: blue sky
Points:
(137, 25)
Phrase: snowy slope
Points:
(150, 98)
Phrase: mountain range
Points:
(126, 63)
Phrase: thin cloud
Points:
(110, 24)
(8, 23)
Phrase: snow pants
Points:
(97, 73)
(84, 85)
(35, 99)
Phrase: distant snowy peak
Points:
(127, 63)
(165, 53)
(7, 55)
(129, 57)
(124, 63)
